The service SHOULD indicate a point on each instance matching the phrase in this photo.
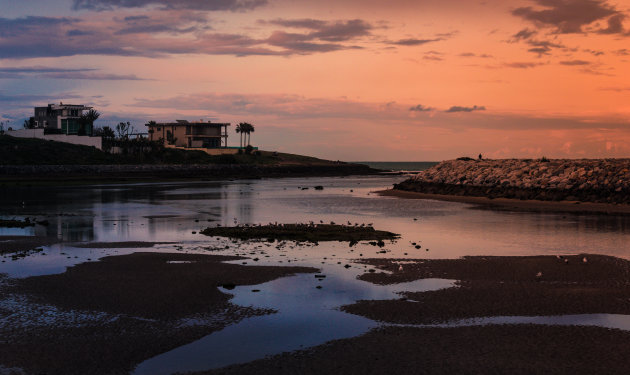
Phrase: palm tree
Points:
(247, 128)
(240, 131)
(88, 118)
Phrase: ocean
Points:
(400, 166)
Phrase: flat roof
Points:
(184, 122)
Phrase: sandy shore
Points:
(517, 349)
(144, 300)
(516, 204)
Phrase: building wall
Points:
(184, 132)
(211, 151)
(74, 139)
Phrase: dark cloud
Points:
(594, 52)
(615, 25)
(421, 108)
(77, 32)
(622, 52)
(207, 5)
(300, 43)
(543, 47)
(63, 73)
(432, 57)
(136, 18)
(472, 54)
(524, 34)
(330, 31)
(32, 98)
(567, 16)
(142, 35)
(93, 76)
(342, 30)
(522, 65)
(413, 42)
(41, 69)
(575, 62)
(457, 108)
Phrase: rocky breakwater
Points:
(586, 180)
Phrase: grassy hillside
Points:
(30, 151)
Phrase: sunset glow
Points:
(348, 79)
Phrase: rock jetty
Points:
(586, 180)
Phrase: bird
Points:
(539, 274)
(566, 261)
(584, 260)
(400, 268)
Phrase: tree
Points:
(86, 121)
(30, 123)
(105, 132)
(238, 130)
(247, 129)
(123, 129)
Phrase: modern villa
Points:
(182, 133)
(61, 123)
(63, 117)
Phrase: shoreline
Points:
(111, 173)
(516, 204)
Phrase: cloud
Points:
(421, 108)
(323, 36)
(568, 16)
(524, 34)
(615, 25)
(413, 42)
(63, 73)
(206, 5)
(330, 31)
(457, 108)
(522, 65)
(160, 33)
(472, 54)
(575, 62)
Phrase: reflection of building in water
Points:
(67, 228)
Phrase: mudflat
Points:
(302, 232)
(501, 286)
(145, 304)
(505, 349)
(11, 244)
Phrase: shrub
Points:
(465, 158)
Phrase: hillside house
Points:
(182, 133)
(60, 118)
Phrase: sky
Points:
(339, 79)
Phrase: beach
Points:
(216, 277)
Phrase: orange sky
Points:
(351, 80)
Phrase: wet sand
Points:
(516, 204)
(303, 232)
(11, 244)
(148, 301)
(118, 245)
(510, 349)
(501, 286)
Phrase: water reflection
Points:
(172, 211)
